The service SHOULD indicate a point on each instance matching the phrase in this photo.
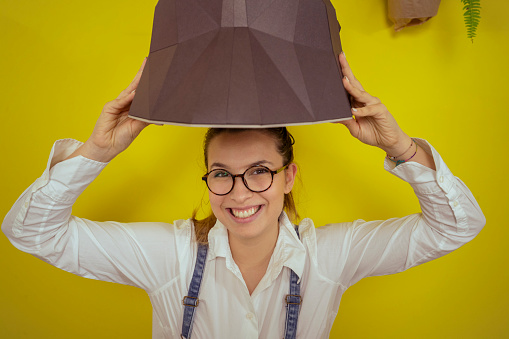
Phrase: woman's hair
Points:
(284, 142)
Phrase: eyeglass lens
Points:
(257, 179)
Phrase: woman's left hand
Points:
(372, 123)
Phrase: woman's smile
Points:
(245, 214)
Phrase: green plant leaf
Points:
(472, 16)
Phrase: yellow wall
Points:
(62, 60)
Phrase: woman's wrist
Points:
(402, 149)
(402, 158)
(415, 153)
(92, 152)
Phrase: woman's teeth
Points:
(242, 214)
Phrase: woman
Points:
(261, 277)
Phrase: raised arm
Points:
(41, 223)
(450, 216)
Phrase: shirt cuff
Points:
(64, 180)
(61, 181)
(423, 179)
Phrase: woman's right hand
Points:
(114, 131)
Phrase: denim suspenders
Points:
(191, 301)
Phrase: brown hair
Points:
(284, 142)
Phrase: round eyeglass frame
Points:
(204, 178)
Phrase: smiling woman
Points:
(64, 60)
(262, 144)
(250, 270)
(252, 216)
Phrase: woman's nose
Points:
(240, 192)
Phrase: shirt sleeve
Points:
(41, 223)
(450, 217)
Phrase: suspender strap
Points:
(191, 301)
(293, 301)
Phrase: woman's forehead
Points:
(242, 149)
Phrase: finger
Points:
(134, 84)
(359, 95)
(345, 68)
(119, 104)
(139, 125)
(375, 110)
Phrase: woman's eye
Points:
(221, 174)
(260, 170)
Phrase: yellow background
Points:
(61, 61)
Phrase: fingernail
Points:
(347, 78)
(354, 109)
(342, 52)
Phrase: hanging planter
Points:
(405, 13)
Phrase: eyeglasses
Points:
(256, 178)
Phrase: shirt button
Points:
(441, 179)
(26, 203)
(249, 316)
(455, 204)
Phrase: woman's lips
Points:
(244, 214)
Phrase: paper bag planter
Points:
(242, 63)
(405, 13)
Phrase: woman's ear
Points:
(290, 173)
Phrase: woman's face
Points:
(246, 214)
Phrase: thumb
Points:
(352, 126)
(138, 125)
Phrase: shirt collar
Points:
(289, 250)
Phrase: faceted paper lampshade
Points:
(242, 63)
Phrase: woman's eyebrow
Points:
(261, 162)
(256, 163)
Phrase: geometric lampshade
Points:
(242, 63)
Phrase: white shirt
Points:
(160, 257)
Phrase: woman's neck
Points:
(254, 252)
(252, 256)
